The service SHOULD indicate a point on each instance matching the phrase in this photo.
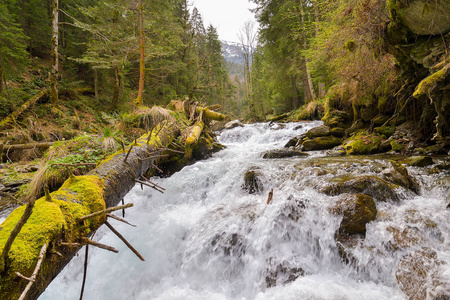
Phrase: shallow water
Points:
(206, 238)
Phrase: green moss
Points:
(385, 130)
(397, 147)
(363, 143)
(429, 83)
(44, 224)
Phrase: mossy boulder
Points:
(357, 211)
(318, 131)
(400, 176)
(321, 143)
(363, 143)
(336, 118)
(375, 187)
(422, 17)
(396, 146)
(283, 154)
(337, 132)
(380, 120)
(419, 161)
(387, 131)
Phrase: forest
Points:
(88, 85)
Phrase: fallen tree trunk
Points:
(44, 145)
(13, 116)
(210, 114)
(57, 218)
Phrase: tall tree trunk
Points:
(309, 84)
(115, 99)
(295, 103)
(96, 85)
(321, 86)
(55, 59)
(139, 100)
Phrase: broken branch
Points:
(108, 210)
(99, 245)
(119, 219)
(14, 233)
(35, 272)
(124, 240)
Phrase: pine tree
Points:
(13, 54)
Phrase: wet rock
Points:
(298, 127)
(358, 210)
(233, 124)
(419, 161)
(375, 187)
(419, 277)
(292, 142)
(283, 154)
(277, 126)
(281, 272)
(321, 143)
(346, 244)
(337, 132)
(252, 183)
(230, 244)
(318, 132)
(205, 148)
(404, 238)
(401, 177)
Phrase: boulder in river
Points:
(252, 183)
(321, 143)
(283, 154)
(318, 132)
(358, 210)
(419, 161)
(375, 187)
(281, 272)
(400, 176)
(233, 124)
(418, 275)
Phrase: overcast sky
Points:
(228, 16)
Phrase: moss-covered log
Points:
(56, 218)
(210, 114)
(13, 116)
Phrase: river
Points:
(208, 238)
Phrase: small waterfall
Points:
(208, 238)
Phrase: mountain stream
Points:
(207, 237)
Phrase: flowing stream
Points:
(208, 238)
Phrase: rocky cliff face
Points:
(419, 37)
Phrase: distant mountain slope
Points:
(234, 59)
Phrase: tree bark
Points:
(295, 101)
(309, 84)
(116, 93)
(139, 100)
(55, 218)
(55, 57)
